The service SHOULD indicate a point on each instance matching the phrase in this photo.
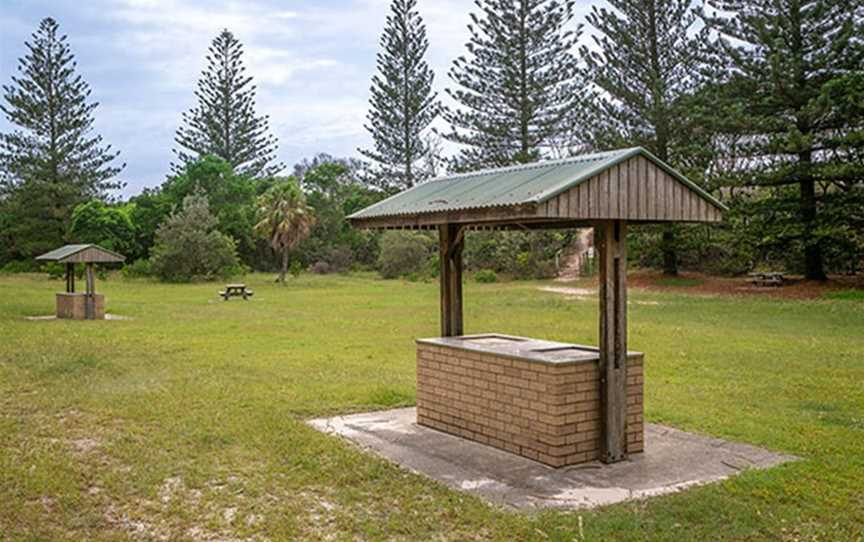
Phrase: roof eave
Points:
(472, 215)
(47, 257)
(630, 153)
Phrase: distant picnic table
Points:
(236, 290)
(768, 279)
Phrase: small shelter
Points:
(558, 403)
(77, 306)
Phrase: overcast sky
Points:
(312, 61)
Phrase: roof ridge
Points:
(533, 165)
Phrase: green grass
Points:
(846, 295)
(187, 422)
(679, 282)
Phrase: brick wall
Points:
(74, 306)
(544, 411)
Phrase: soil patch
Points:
(698, 283)
(701, 284)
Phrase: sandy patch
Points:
(585, 294)
(571, 294)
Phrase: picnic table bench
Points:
(236, 290)
(767, 279)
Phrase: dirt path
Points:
(570, 270)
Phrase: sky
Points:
(312, 61)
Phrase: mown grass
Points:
(848, 295)
(679, 282)
(187, 422)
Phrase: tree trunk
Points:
(670, 255)
(284, 268)
(813, 265)
(659, 116)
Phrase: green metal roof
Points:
(60, 254)
(510, 186)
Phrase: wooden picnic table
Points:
(768, 278)
(236, 290)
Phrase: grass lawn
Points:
(187, 422)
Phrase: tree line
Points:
(761, 102)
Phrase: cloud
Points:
(312, 61)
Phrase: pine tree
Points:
(644, 64)
(224, 121)
(403, 104)
(782, 56)
(51, 161)
(521, 84)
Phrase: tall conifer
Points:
(783, 61)
(224, 123)
(403, 104)
(520, 84)
(52, 160)
(644, 63)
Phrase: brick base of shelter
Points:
(74, 306)
(538, 399)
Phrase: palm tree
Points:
(286, 219)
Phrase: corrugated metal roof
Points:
(510, 186)
(60, 254)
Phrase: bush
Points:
(320, 268)
(403, 253)
(485, 276)
(20, 266)
(188, 246)
(58, 270)
(338, 259)
(136, 269)
(525, 255)
(295, 268)
(107, 226)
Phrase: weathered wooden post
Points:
(611, 238)
(451, 242)
(70, 278)
(90, 303)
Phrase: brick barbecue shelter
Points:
(72, 304)
(557, 403)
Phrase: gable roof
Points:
(517, 186)
(81, 254)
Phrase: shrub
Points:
(20, 266)
(320, 268)
(295, 269)
(485, 276)
(58, 270)
(338, 258)
(189, 247)
(524, 255)
(107, 226)
(136, 269)
(403, 253)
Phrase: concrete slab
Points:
(674, 460)
(52, 317)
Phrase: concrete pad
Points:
(673, 460)
(52, 317)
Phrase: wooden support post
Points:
(70, 278)
(611, 240)
(451, 243)
(90, 301)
